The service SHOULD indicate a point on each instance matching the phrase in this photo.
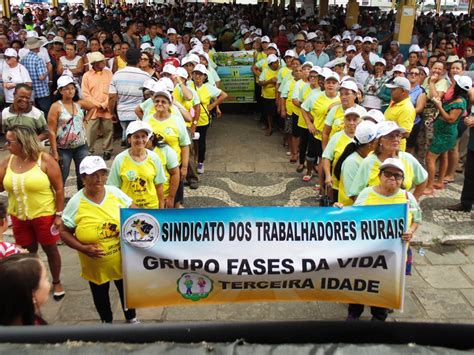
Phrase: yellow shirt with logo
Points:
(98, 224)
(348, 173)
(138, 179)
(403, 113)
(319, 110)
(307, 95)
(187, 104)
(206, 92)
(172, 129)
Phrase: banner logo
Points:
(141, 230)
(194, 286)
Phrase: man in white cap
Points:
(172, 55)
(173, 39)
(363, 63)
(95, 87)
(38, 74)
(401, 110)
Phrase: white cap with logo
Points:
(92, 163)
(374, 115)
(392, 163)
(399, 82)
(139, 125)
(365, 132)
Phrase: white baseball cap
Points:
(463, 81)
(375, 115)
(354, 111)
(399, 82)
(32, 34)
(92, 163)
(64, 80)
(282, 28)
(81, 38)
(200, 68)
(316, 69)
(171, 48)
(273, 45)
(265, 39)
(331, 75)
(367, 39)
(10, 52)
(272, 58)
(307, 64)
(350, 85)
(145, 46)
(248, 40)
(381, 61)
(387, 127)
(161, 91)
(181, 72)
(350, 48)
(148, 84)
(171, 31)
(167, 84)
(393, 163)
(169, 69)
(400, 67)
(139, 125)
(359, 38)
(311, 36)
(347, 37)
(414, 48)
(291, 53)
(365, 132)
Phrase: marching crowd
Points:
(371, 122)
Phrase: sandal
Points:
(58, 296)
(307, 178)
(316, 188)
(300, 168)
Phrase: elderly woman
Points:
(33, 181)
(336, 146)
(334, 121)
(91, 225)
(172, 128)
(138, 171)
(26, 289)
(389, 190)
(206, 93)
(389, 147)
(13, 73)
(373, 84)
(445, 129)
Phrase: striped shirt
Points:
(126, 83)
(36, 68)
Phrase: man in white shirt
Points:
(363, 63)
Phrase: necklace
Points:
(21, 162)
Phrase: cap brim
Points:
(383, 166)
(92, 170)
(391, 86)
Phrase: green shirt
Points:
(33, 119)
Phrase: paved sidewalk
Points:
(244, 167)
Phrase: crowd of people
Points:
(369, 121)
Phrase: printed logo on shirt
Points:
(139, 185)
(131, 175)
(141, 230)
(108, 230)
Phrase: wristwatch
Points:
(195, 123)
(59, 214)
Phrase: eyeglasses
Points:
(389, 174)
(162, 102)
(413, 73)
(7, 142)
(312, 76)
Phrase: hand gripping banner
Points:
(244, 254)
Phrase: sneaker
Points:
(193, 185)
(106, 156)
(200, 168)
(132, 321)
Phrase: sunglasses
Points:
(312, 76)
(163, 102)
(388, 175)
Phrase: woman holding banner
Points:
(91, 225)
(388, 191)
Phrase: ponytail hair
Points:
(350, 148)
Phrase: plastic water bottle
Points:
(421, 252)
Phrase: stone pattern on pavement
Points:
(246, 168)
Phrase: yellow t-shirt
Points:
(138, 179)
(29, 194)
(169, 160)
(98, 224)
(187, 104)
(206, 93)
(319, 111)
(290, 108)
(172, 129)
(305, 93)
(121, 63)
(268, 91)
(334, 150)
(403, 113)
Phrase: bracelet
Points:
(59, 214)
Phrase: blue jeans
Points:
(66, 156)
(44, 104)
